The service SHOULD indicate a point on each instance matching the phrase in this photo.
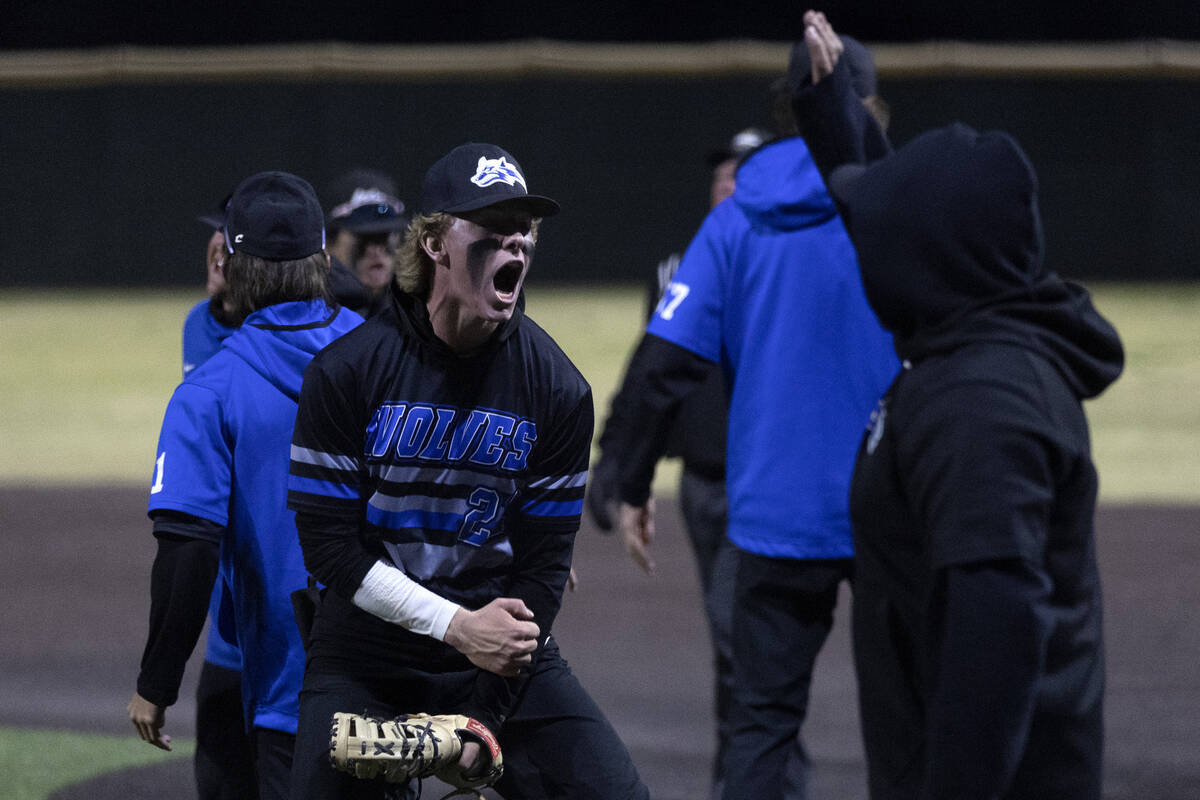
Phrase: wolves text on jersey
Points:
(448, 435)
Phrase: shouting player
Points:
(438, 470)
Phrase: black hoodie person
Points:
(977, 613)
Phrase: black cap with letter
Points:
(475, 175)
(276, 216)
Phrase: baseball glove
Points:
(414, 746)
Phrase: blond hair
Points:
(414, 267)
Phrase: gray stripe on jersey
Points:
(322, 459)
(426, 561)
(406, 473)
(560, 481)
(419, 502)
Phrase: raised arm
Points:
(832, 118)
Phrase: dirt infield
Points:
(75, 588)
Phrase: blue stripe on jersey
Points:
(556, 496)
(413, 518)
(571, 508)
(341, 490)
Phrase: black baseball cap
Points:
(742, 143)
(370, 211)
(475, 175)
(856, 55)
(276, 216)
(366, 203)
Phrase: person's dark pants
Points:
(705, 512)
(224, 760)
(783, 612)
(273, 761)
(556, 744)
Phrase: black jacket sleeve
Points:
(334, 553)
(620, 404)
(835, 124)
(605, 472)
(181, 582)
(660, 375)
(992, 629)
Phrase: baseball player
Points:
(438, 471)
(769, 289)
(977, 612)
(221, 472)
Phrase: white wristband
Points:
(391, 595)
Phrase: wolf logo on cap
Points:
(495, 170)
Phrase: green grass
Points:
(1146, 427)
(85, 376)
(36, 763)
(84, 382)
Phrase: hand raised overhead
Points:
(824, 46)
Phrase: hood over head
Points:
(279, 341)
(949, 241)
(779, 186)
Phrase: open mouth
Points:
(507, 277)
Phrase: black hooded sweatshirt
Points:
(977, 614)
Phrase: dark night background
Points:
(102, 180)
(58, 23)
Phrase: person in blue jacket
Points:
(224, 758)
(220, 477)
(769, 289)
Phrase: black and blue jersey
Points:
(444, 464)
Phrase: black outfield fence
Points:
(109, 154)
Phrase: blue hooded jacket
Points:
(770, 289)
(202, 337)
(223, 456)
